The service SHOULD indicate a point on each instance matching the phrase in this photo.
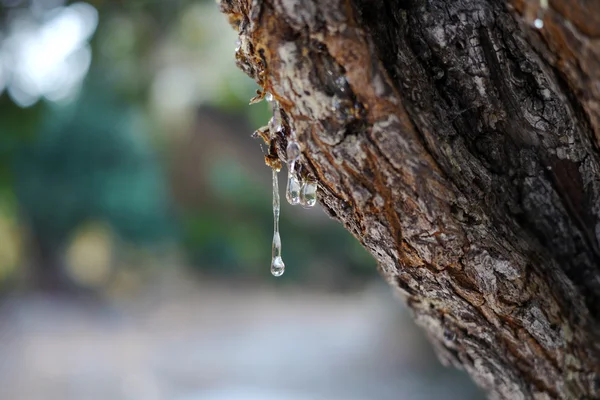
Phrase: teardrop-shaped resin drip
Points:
(275, 123)
(534, 13)
(308, 194)
(277, 265)
(292, 151)
(276, 203)
(292, 192)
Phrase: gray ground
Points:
(180, 341)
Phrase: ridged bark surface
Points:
(460, 145)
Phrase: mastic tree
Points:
(458, 141)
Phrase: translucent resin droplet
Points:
(534, 13)
(308, 194)
(292, 151)
(277, 265)
(275, 124)
(292, 193)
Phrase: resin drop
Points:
(292, 193)
(292, 151)
(277, 265)
(308, 194)
(275, 123)
(534, 13)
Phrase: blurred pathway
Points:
(179, 341)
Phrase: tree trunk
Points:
(460, 145)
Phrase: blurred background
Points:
(136, 226)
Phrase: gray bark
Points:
(461, 147)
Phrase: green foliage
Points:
(17, 128)
(97, 158)
(89, 163)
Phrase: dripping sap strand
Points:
(277, 265)
(292, 193)
(303, 193)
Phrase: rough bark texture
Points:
(461, 147)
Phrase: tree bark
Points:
(460, 145)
